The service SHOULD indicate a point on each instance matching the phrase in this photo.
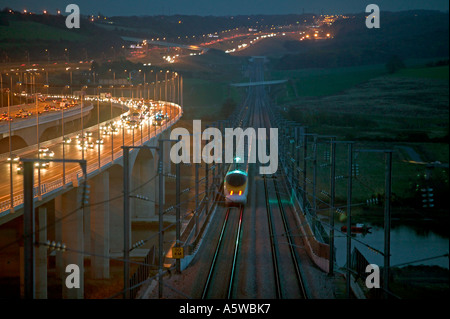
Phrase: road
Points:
(96, 157)
(28, 110)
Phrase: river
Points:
(407, 244)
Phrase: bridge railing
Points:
(51, 186)
(46, 118)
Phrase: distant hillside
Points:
(181, 26)
(410, 34)
(21, 33)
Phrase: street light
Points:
(99, 140)
(64, 143)
(48, 55)
(10, 155)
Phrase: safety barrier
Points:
(142, 272)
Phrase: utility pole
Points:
(28, 231)
(38, 143)
(126, 223)
(126, 215)
(29, 221)
(332, 208)
(314, 215)
(349, 214)
(387, 219)
(10, 155)
(298, 133)
(387, 215)
(178, 211)
(305, 155)
(206, 187)
(161, 216)
(197, 201)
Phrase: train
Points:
(236, 179)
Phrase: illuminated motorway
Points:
(25, 111)
(97, 155)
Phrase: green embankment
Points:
(32, 31)
(204, 99)
(379, 111)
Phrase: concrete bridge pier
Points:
(99, 226)
(166, 166)
(41, 254)
(143, 177)
(72, 234)
(41, 264)
(115, 189)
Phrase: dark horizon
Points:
(116, 8)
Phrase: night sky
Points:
(223, 7)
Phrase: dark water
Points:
(407, 244)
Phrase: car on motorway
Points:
(13, 158)
(46, 153)
(85, 145)
(158, 119)
(132, 124)
(38, 165)
(43, 165)
(88, 133)
(67, 140)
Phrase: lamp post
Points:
(126, 215)
(1, 89)
(349, 215)
(64, 147)
(98, 124)
(165, 85)
(38, 141)
(10, 156)
(82, 124)
(71, 93)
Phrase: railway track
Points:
(274, 217)
(229, 238)
(284, 255)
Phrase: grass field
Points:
(207, 84)
(322, 82)
(379, 111)
(27, 30)
(204, 99)
(438, 73)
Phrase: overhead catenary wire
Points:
(73, 212)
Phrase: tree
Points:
(394, 64)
